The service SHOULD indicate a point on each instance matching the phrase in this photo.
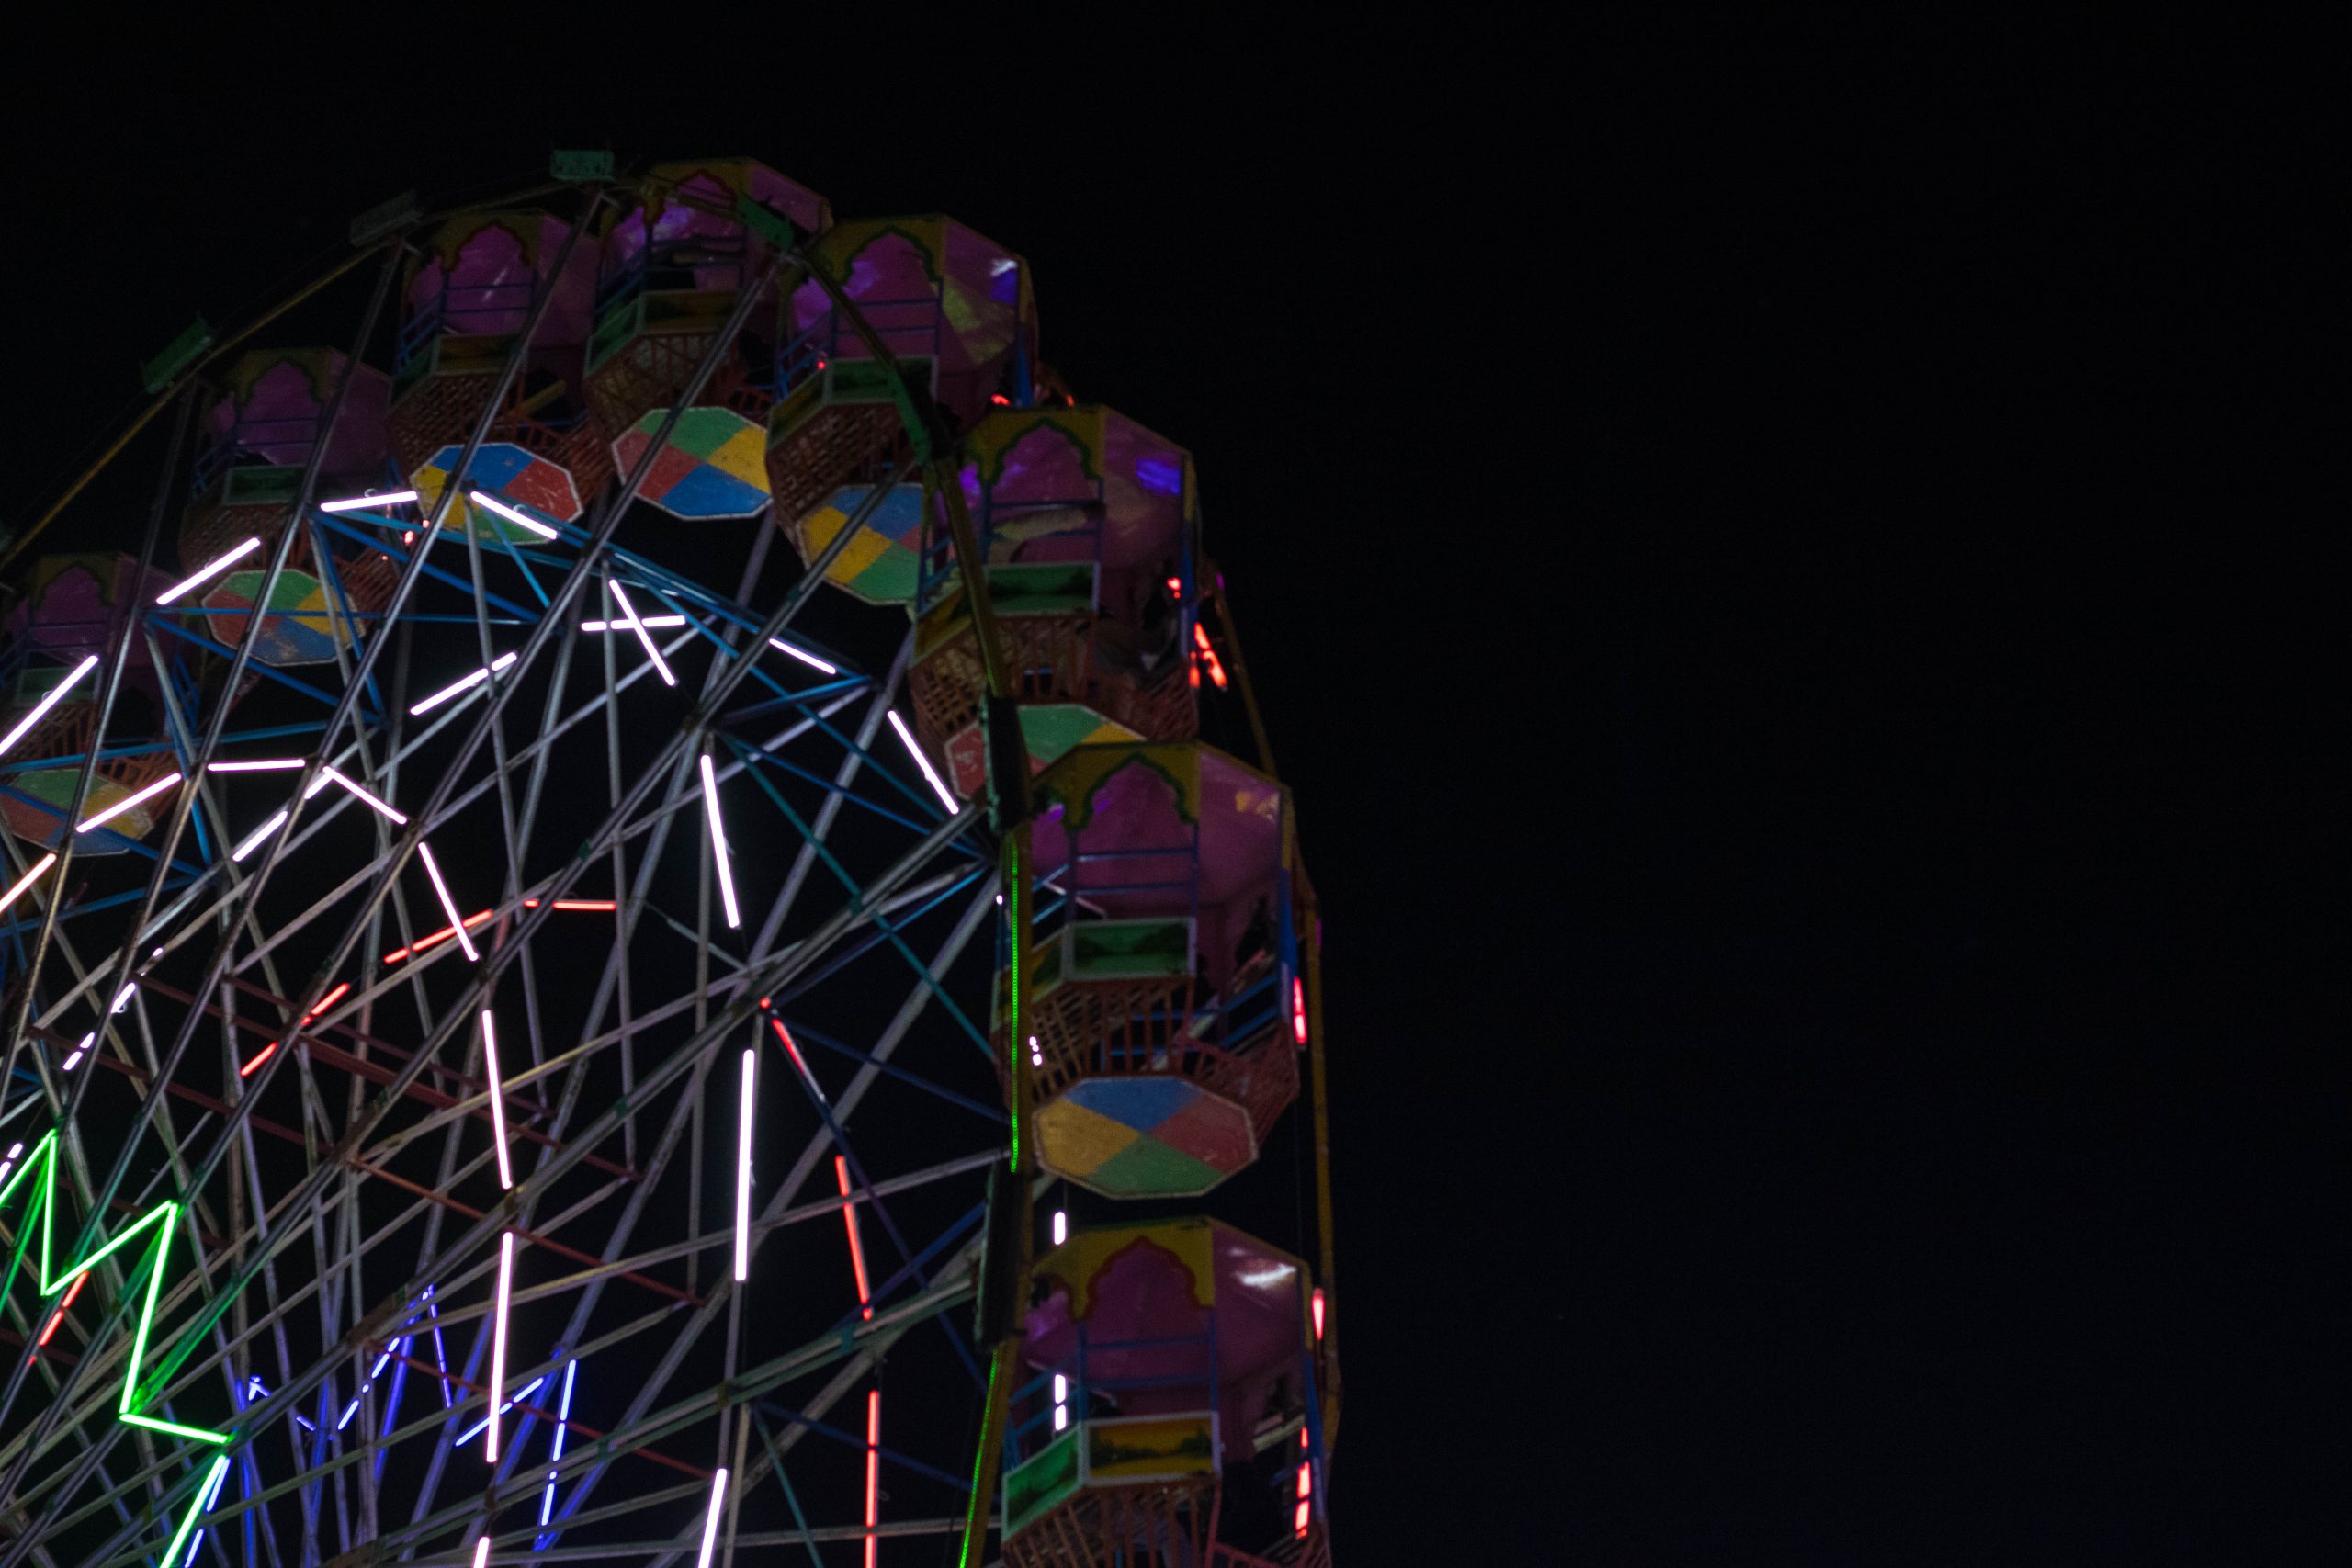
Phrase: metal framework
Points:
(506, 1155)
(436, 1137)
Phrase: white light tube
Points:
(263, 765)
(517, 1397)
(718, 845)
(259, 835)
(209, 572)
(710, 1523)
(347, 783)
(533, 524)
(929, 776)
(120, 806)
(563, 1420)
(805, 657)
(497, 1098)
(204, 1505)
(661, 665)
(425, 853)
(362, 502)
(482, 1552)
(656, 621)
(1061, 1226)
(743, 1170)
(443, 695)
(56, 695)
(26, 881)
(498, 1340)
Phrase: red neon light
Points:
(1176, 585)
(1315, 1305)
(873, 1469)
(785, 1036)
(856, 1249)
(1298, 1521)
(443, 934)
(1302, 1438)
(1208, 655)
(269, 1050)
(59, 1315)
(1305, 1480)
(602, 906)
(1000, 399)
(1298, 1012)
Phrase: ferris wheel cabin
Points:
(1173, 1420)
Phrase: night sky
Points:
(1764, 553)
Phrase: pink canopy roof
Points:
(1128, 1283)
(277, 402)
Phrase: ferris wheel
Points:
(622, 944)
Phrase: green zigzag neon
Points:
(160, 1221)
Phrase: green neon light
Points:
(195, 1510)
(1013, 894)
(161, 1221)
(978, 1510)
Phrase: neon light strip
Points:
(591, 906)
(120, 806)
(1062, 1401)
(436, 939)
(718, 845)
(655, 621)
(482, 1552)
(1061, 1226)
(743, 1167)
(346, 782)
(497, 1098)
(209, 572)
(448, 905)
(1298, 1009)
(259, 835)
(563, 1417)
(517, 1397)
(16, 891)
(440, 1356)
(74, 1060)
(873, 1471)
(123, 999)
(362, 502)
(266, 764)
(437, 698)
(930, 777)
(498, 1341)
(1314, 1304)
(857, 1249)
(204, 1500)
(804, 656)
(59, 1315)
(249, 1068)
(661, 665)
(785, 1036)
(533, 524)
(710, 1521)
(56, 695)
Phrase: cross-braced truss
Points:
(489, 1026)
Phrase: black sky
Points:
(1766, 554)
